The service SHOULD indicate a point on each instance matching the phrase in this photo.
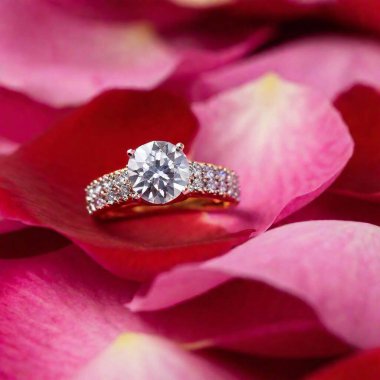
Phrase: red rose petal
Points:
(364, 366)
(43, 184)
(360, 108)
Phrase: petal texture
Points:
(143, 357)
(314, 261)
(62, 59)
(286, 143)
(58, 311)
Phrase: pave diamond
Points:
(158, 171)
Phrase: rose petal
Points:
(342, 62)
(360, 109)
(161, 13)
(23, 118)
(143, 357)
(43, 184)
(18, 240)
(244, 316)
(10, 225)
(7, 146)
(66, 60)
(332, 206)
(338, 253)
(365, 365)
(57, 318)
(313, 261)
(213, 42)
(286, 143)
(58, 311)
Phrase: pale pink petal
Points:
(146, 357)
(331, 265)
(62, 59)
(58, 311)
(7, 146)
(189, 282)
(342, 62)
(285, 141)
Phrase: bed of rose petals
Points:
(285, 286)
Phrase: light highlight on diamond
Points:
(158, 172)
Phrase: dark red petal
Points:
(364, 366)
(250, 317)
(332, 206)
(29, 241)
(360, 108)
(43, 184)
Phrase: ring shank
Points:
(210, 187)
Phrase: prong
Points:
(131, 152)
(179, 147)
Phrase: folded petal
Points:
(146, 357)
(360, 109)
(365, 365)
(286, 143)
(313, 261)
(61, 59)
(43, 184)
(342, 62)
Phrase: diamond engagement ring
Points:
(159, 174)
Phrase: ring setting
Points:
(159, 174)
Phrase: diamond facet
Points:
(158, 171)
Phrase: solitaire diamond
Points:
(158, 171)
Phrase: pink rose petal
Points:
(285, 142)
(145, 357)
(342, 62)
(7, 146)
(62, 59)
(58, 311)
(314, 261)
